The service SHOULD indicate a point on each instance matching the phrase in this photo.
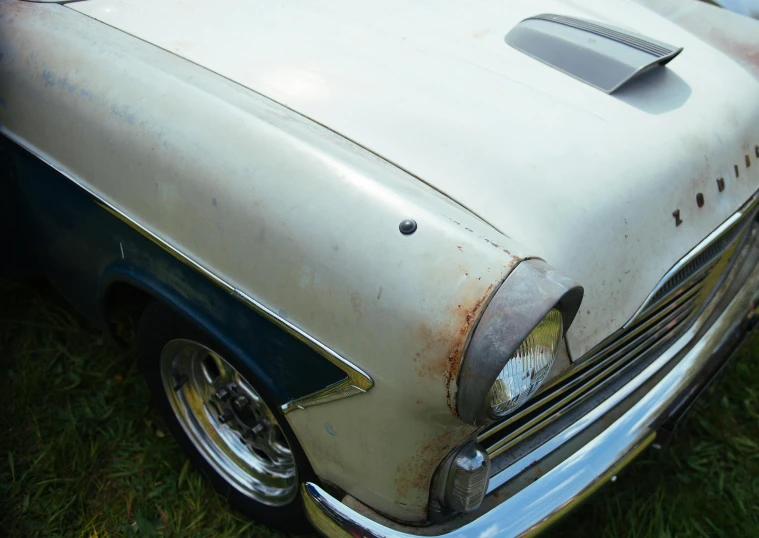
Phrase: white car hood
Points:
(585, 180)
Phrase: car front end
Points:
(471, 286)
(583, 427)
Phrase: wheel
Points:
(222, 420)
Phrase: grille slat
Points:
(599, 360)
(703, 261)
(606, 371)
(666, 314)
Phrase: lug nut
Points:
(225, 416)
(259, 427)
(240, 402)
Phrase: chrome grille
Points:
(663, 317)
(700, 262)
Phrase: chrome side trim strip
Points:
(357, 381)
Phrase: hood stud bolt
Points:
(407, 227)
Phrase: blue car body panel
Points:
(82, 248)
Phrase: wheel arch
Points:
(235, 326)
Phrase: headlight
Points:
(515, 342)
(528, 368)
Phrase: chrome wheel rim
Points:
(228, 422)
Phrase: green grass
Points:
(82, 453)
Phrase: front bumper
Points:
(690, 364)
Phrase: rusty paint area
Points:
(723, 30)
(496, 245)
(745, 52)
(444, 346)
(470, 317)
(414, 476)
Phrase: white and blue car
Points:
(401, 268)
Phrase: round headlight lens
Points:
(528, 367)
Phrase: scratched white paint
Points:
(587, 180)
(282, 209)
(306, 222)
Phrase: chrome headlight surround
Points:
(524, 299)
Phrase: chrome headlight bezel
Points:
(530, 291)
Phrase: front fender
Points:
(282, 210)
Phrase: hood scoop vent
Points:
(602, 56)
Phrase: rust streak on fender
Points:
(470, 316)
(443, 345)
(416, 473)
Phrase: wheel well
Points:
(123, 304)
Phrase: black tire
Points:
(159, 325)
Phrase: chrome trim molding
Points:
(357, 381)
(537, 505)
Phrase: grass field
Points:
(82, 453)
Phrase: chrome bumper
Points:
(701, 355)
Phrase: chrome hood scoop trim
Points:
(603, 56)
